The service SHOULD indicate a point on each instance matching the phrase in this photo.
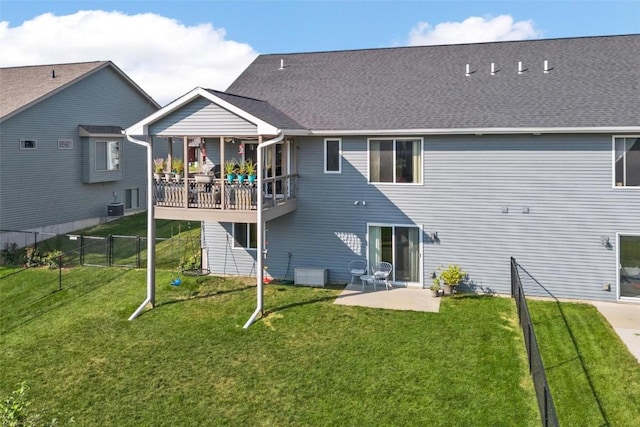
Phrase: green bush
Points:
(53, 259)
(453, 275)
(10, 254)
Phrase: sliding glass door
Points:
(629, 256)
(399, 245)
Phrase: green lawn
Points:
(308, 362)
(594, 379)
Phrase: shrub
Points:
(53, 259)
(10, 254)
(32, 257)
(452, 275)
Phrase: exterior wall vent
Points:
(65, 144)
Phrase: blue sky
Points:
(169, 47)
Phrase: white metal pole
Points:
(260, 232)
(151, 231)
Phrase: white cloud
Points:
(472, 30)
(163, 56)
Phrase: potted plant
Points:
(158, 168)
(250, 168)
(177, 165)
(435, 287)
(242, 170)
(230, 169)
(451, 277)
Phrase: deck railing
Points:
(205, 192)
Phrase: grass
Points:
(307, 362)
(594, 379)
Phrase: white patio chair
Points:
(381, 273)
(357, 268)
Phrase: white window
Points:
(107, 155)
(132, 198)
(396, 160)
(332, 155)
(65, 144)
(245, 235)
(627, 161)
(28, 144)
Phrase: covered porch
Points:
(210, 172)
(216, 182)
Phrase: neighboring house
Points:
(63, 158)
(421, 156)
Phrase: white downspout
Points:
(151, 231)
(260, 232)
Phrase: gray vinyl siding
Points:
(564, 180)
(222, 257)
(44, 187)
(202, 117)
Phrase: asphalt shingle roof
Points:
(22, 86)
(260, 109)
(592, 82)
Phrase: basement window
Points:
(245, 235)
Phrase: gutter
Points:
(260, 232)
(151, 231)
(480, 131)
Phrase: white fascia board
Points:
(141, 128)
(479, 131)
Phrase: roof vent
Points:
(281, 64)
(521, 68)
(493, 69)
(546, 67)
(53, 74)
(467, 70)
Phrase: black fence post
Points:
(60, 273)
(81, 250)
(138, 251)
(109, 248)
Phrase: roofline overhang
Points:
(479, 131)
(142, 127)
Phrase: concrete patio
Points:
(413, 299)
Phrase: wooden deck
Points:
(201, 198)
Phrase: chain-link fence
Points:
(536, 368)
